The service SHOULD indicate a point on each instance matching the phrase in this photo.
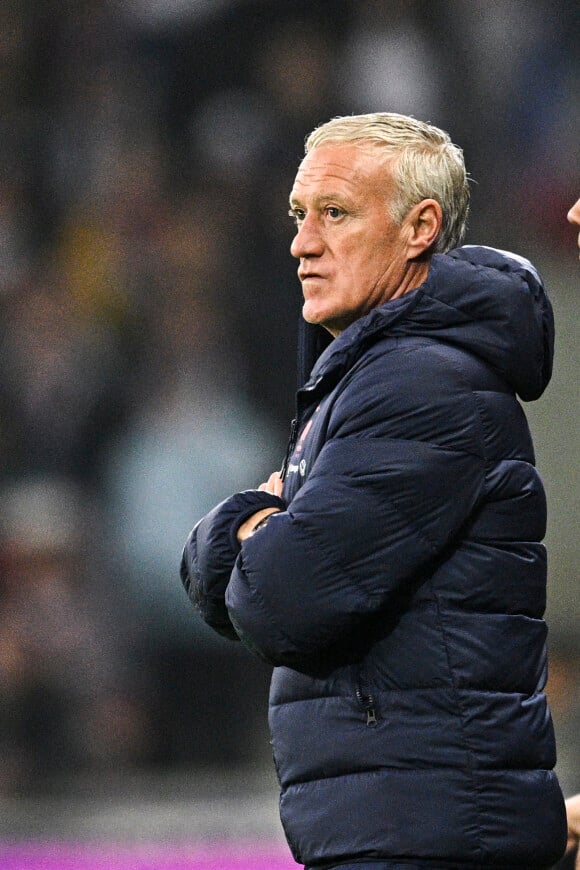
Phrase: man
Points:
(393, 573)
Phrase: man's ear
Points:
(424, 221)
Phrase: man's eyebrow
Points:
(320, 198)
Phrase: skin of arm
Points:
(573, 815)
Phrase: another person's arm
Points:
(573, 815)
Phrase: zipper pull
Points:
(371, 716)
(369, 705)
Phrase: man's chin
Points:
(313, 318)
(312, 315)
(315, 312)
(322, 318)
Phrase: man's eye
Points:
(297, 214)
(334, 213)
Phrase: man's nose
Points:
(308, 241)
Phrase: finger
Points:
(275, 483)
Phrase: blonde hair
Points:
(427, 165)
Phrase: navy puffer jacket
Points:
(401, 589)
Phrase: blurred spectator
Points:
(75, 325)
(521, 93)
(61, 380)
(192, 441)
(191, 411)
(392, 61)
(194, 437)
(70, 698)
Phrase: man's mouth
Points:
(305, 276)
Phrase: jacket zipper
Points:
(367, 701)
(290, 448)
(295, 425)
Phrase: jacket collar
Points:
(488, 302)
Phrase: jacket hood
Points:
(488, 302)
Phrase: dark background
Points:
(148, 316)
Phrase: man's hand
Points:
(573, 815)
(273, 485)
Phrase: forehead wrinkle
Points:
(319, 198)
(349, 174)
(350, 179)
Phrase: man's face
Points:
(574, 217)
(352, 255)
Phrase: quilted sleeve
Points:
(211, 550)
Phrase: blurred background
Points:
(148, 318)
